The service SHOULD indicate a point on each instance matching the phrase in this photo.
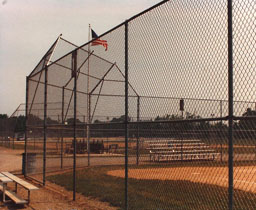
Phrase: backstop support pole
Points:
(88, 100)
(62, 127)
(230, 107)
(138, 133)
(88, 126)
(26, 128)
(126, 115)
(74, 75)
(45, 122)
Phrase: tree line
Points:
(10, 125)
(160, 126)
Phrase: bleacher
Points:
(180, 150)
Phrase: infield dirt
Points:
(244, 176)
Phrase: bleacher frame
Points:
(180, 150)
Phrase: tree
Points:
(97, 121)
(3, 116)
(70, 121)
(20, 123)
(248, 124)
(9, 125)
(34, 120)
(120, 119)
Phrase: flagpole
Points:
(88, 99)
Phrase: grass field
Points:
(152, 193)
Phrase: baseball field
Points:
(201, 184)
(167, 186)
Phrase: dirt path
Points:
(10, 160)
(51, 197)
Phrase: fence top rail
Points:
(183, 151)
(172, 140)
(201, 145)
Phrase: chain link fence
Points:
(12, 129)
(160, 110)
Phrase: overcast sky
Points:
(29, 27)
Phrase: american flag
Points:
(98, 41)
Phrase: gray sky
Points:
(29, 27)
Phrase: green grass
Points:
(152, 194)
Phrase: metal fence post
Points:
(221, 109)
(62, 127)
(230, 106)
(88, 104)
(126, 115)
(88, 126)
(26, 125)
(84, 129)
(138, 132)
(74, 69)
(45, 122)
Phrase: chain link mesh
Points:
(178, 107)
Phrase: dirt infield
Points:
(244, 177)
(10, 160)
